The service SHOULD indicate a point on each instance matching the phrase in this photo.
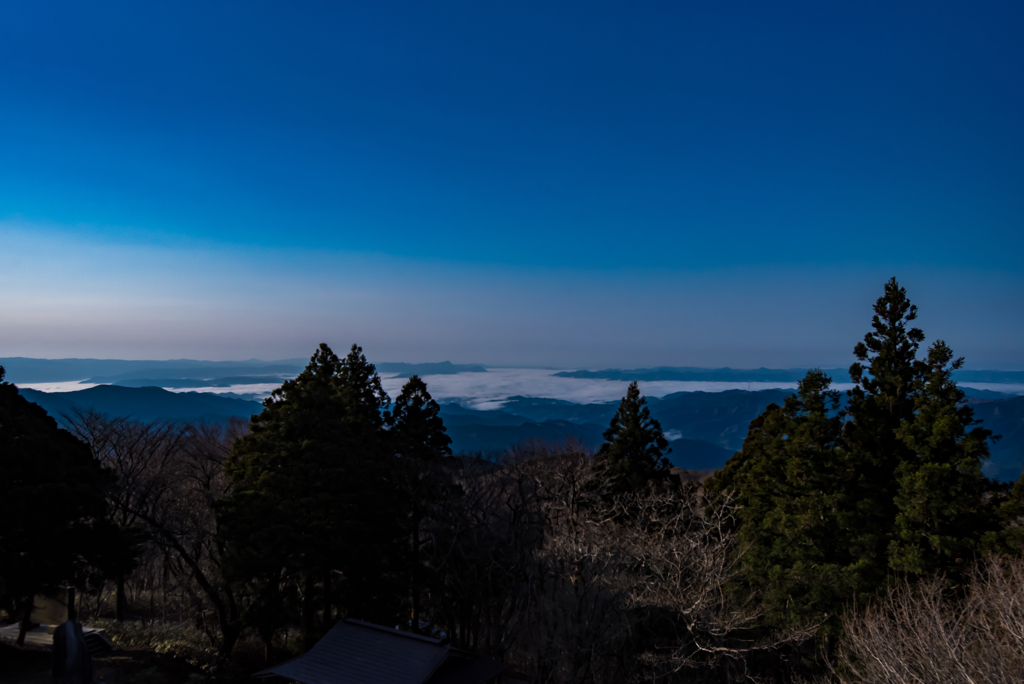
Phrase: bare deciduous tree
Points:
(168, 478)
(930, 633)
(531, 563)
(185, 527)
(141, 456)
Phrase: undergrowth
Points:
(187, 643)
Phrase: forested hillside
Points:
(704, 428)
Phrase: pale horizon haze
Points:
(512, 184)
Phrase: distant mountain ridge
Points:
(192, 374)
(406, 370)
(993, 376)
(710, 426)
(144, 403)
(470, 429)
(30, 370)
(1004, 417)
(177, 383)
(693, 374)
(26, 370)
(473, 430)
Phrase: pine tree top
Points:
(635, 447)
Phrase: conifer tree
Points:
(417, 430)
(315, 495)
(833, 505)
(941, 516)
(1010, 512)
(419, 441)
(372, 498)
(886, 379)
(918, 452)
(634, 447)
(793, 492)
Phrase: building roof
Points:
(354, 652)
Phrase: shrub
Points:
(932, 633)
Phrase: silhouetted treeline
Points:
(854, 540)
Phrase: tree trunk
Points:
(308, 611)
(99, 599)
(266, 631)
(227, 619)
(163, 586)
(414, 578)
(327, 598)
(121, 600)
(219, 595)
(229, 632)
(26, 606)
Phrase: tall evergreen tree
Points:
(886, 380)
(634, 447)
(315, 492)
(833, 505)
(792, 484)
(373, 508)
(419, 440)
(417, 430)
(917, 449)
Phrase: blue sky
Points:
(586, 184)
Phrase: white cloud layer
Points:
(490, 390)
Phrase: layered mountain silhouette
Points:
(691, 374)
(156, 373)
(25, 370)
(144, 403)
(405, 370)
(177, 383)
(707, 427)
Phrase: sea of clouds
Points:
(486, 391)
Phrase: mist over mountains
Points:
(689, 374)
(471, 430)
(181, 373)
(704, 428)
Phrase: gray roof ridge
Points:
(268, 671)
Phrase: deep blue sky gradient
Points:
(597, 153)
